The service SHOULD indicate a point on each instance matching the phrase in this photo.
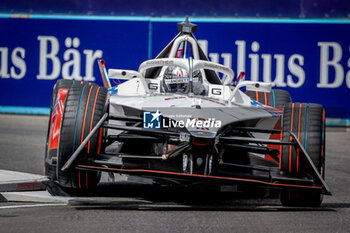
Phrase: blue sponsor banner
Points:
(309, 58)
(35, 53)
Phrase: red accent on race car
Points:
(198, 175)
(174, 98)
(290, 147)
(92, 116)
(298, 150)
(277, 137)
(202, 141)
(102, 63)
(86, 179)
(56, 119)
(79, 184)
(240, 77)
(265, 98)
(213, 101)
(281, 138)
(257, 96)
(86, 107)
(99, 142)
(323, 125)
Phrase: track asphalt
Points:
(132, 207)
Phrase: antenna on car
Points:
(102, 65)
(186, 26)
(190, 74)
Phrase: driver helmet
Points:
(175, 79)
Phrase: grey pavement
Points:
(125, 207)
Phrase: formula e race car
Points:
(184, 119)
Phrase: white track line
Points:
(34, 205)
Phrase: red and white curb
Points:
(26, 187)
(34, 196)
(20, 181)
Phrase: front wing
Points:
(161, 168)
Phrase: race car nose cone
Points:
(203, 134)
(202, 138)
(186, 26)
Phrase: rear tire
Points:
(307, 122)
(277, 98)
(84, 107)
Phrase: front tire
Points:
(307, 122)
(51, 153)
(84, 107)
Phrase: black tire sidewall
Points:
(312, 122)
(77, 120)
(311, 136)
(50, 170)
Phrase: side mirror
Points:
(252, 86)
(257, 86)
(128, 74)
(123, 74)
